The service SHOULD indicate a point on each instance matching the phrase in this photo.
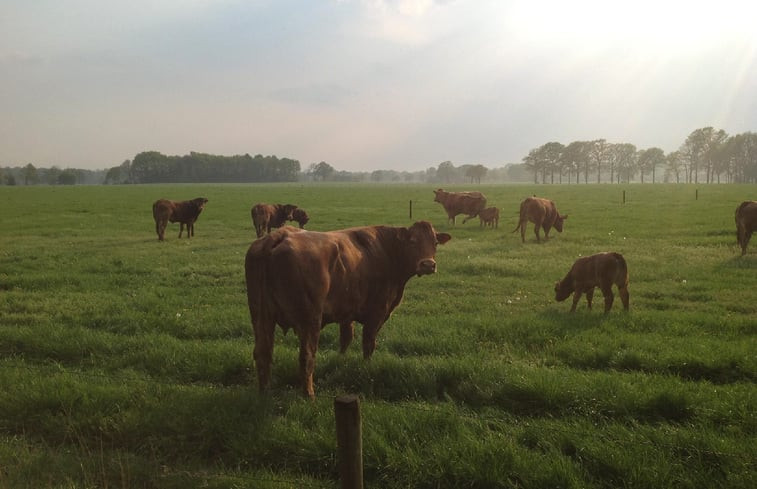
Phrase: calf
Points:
(301, 217)
(489, 217)
(746, 223)
(601, 270)
(304, 280)
(184, 212)
(543, 213)
(268, 216)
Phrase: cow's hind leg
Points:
(346, 334)
(308, 348)
(263, 352)
(181, 229)
(370, 332)
(624, 296)
(190, 229)
(609, 296)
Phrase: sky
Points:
(366, 84)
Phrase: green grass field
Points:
(127, 362)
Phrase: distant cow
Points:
(601, 270)
(184, 212)
(746, 223)
(268, 216)
(304, 280)
(489, 217)
(454, 203)
(543, 213)
(301, 217)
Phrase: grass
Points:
(126, 362)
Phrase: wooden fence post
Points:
(411, 208)
(624, 196)
(349, 440)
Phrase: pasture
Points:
(127, 362)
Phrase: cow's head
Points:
(559, 222)
(563, 289)
(439, 195)
(287, 210)
(199, 203)
(300, 216)
(421, 241)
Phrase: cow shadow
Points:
(746, 262)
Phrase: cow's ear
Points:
(442, 238)
(564, 217)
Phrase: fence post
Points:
(624, 196)
(696, 194)
(411, 208)
(349, 438)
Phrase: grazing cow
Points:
(543, 213)
(746, 223)
(454, 203)
(306, 279)
(489, 217)
(184, 212)
(301, 217)
(601, 270)
(268, 216)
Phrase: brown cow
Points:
(306, 279)
(746, 223)
(268, 216)
(543, 213)
(489, 217)
(301, 217)
(601, 270)
(454, 203)
(184, 212)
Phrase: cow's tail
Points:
(622, 270)
(521, 216)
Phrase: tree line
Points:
(707, 155)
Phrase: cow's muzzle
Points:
(426, 267)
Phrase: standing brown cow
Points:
(184, 212)
(268, 216)
(489, 217)
(746, 223)
(301, 217)
(454, 203)
(543, 213)
(601, 270)
(304, 280)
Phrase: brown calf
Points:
(489, 217)
(268, 216)
(746, 223)
(543, 213)
(601, 270)
(184, 212)
(301, 217)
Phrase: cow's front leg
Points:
(308, 348)
(181, 229)
(370, 332)
(346, 334)
(576, 297)
(190, 229)
(589, 296)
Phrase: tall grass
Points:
(126, 362)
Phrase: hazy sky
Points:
(366, 84)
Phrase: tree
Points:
(30, 175)
(321, 171)
(623, 159)
(698, 152)
(574, 157)
(648, 160)
(598, 157)
(475, 172)
(446, 171)
(675, 165)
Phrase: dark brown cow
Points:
(489, 217)
(543, 213)
(306, 279)
(268, 216)
(184, 212)
(454, 203)
(746, 223)
(601, 270)
(301, 217)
